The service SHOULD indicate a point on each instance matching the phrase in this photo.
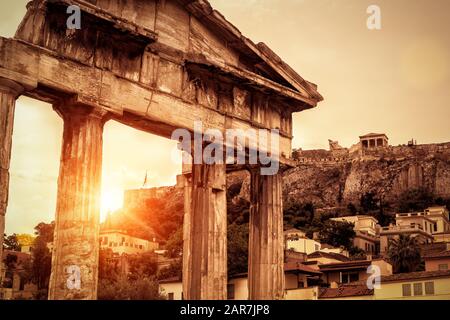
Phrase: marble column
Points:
(266, 246)
(76, 239)
(205, 234)
(9, 91)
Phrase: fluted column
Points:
(205, 234)
(76, 240)
(266, 247)
(9, 91)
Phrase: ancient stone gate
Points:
(156, 66)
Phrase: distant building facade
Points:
(427, 226)
(121, 242)
(297, 241)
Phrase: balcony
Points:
(398, 229)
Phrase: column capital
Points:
(11, 87)
(68, 110)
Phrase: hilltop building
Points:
(374, 140)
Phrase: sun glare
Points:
(112, 200)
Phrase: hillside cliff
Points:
(334, 179)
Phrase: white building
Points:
(121, 242)
(297, 241)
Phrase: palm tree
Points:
(404, 254)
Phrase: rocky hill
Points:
(335, 179)
(338, 181)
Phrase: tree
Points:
(357, 253)
(298, 215)
(352, 209)
(142, 265)
(174, 244)
(237, 249)
(42, 257)
(141, 288)
(369, 202)
(11, 242)
(25, 239)
(138, 284)
(175, 269)
(404, 254)
(337, 234)
(415, 200)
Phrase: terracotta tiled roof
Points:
(171, 280)
(345, 265)
(345, 291)
(295, 266)
(416, 276)
(330, 255)
(432, 249)
(443, 254)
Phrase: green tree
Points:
(404, 254)
(337, 234)
(108, 266)
(141, 288)
(175, 269)
(237, 248)
(11, 242)
(357, 253)
(142, 265)
(369, 202)
(174, 244)
(42, 258)
(298, 215)
(415, 200)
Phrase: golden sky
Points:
(395, 80)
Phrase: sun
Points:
(111, 200)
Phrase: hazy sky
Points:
(395, 80)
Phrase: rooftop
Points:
(370, 135)
(345, 291)
(416, 276)
(330, 255)
(300, 268)
(359, 264)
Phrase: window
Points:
(429, 288)
(170, 296)
(443, 267)
(347, 277)
(406, 290)
(140, 246)
(230, 291)
(316, 247)
(418, 289)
